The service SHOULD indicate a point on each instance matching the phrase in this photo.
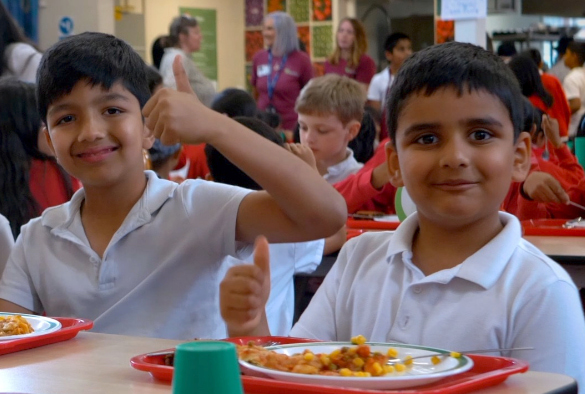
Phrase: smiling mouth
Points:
(455, 185)
(96, 155)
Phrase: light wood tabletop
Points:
(99, 363)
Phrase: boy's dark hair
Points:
(234, 102)
(153, 78)
(363, 144)
(223, 171)
(533, 54)
(578, 48)
(529, 78)
(272, 119)
(507, 48)
(561, 47)
(160, 153)
(392, 40)
(532, 116)
(98, 58)
(158, 50)
(456, 65)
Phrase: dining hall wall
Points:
(230, 33)
(86, 15)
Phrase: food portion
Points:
(14, 325)
(350, 361)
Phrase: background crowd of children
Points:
(150, 204)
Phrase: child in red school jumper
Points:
(456, 274)
(547, 180)
(559, 109)
(369, 189)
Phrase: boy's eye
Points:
(113, 111)
(427, 139)
(65, 119)
(481, 135)
(322, 131)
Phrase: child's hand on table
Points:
(244, 292)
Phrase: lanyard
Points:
(272, 80)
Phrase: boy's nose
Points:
(90, 130)
(454, 154)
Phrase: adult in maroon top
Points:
(349, 57)
(280, 71)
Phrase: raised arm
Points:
(297, 204)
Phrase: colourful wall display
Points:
(314, 25)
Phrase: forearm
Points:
(309, 202)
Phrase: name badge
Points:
(263, 70)
(288, 71)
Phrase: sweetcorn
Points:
(14, 325)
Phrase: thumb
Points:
(262, 255)
(181, 78)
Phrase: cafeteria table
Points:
(567, 251)
(93, 363)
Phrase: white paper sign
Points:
(463, 9)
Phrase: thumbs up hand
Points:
(177, 115)
(244, 292)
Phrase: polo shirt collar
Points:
(341, 167)
(484, 267)
(157, 191)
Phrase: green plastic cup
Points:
(206, 367)
(580, 150)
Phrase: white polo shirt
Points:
(507, 294)
(159, 276)
(343, 169)
(286, 260)
(379, 86)
(574, 86)
(6, 242)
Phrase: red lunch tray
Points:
(70, 327)
(551, 227)
(487, 371)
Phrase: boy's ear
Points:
(148, 138)
(354, 129)
(388, 55)
(48, 138)
(394, 173)
(522, 154)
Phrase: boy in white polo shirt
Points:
(137, 254)
(330, 111)
(457, 274)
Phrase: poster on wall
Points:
(463, 9)
(206, 57)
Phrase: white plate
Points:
(40, 324)
(422, 372)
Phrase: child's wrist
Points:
(524, 194)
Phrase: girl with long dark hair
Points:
(30, 179)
